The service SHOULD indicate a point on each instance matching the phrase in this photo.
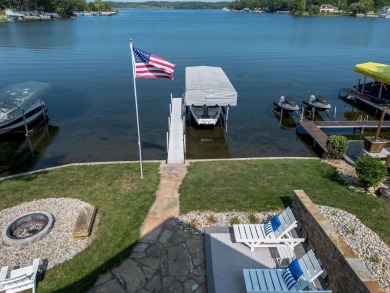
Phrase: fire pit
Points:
(28, 228)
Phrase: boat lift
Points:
(209, 86)
(19, 101)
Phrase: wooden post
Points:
(25, 123)
(43, 109)
(380, 91)
(281, 116)
(384, 111)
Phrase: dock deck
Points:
(313, 128)
(176, 134)
(316, 133)
(351, 124)
(365, 99)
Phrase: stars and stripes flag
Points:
(151, 66)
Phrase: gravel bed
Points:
(367, 245)
(196, 221)
(56, 247)
(373, 252)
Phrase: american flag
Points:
(151, 66)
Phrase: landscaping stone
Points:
(179, 260)
(132, 281)
(111, 286)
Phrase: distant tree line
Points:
(65, 8)
(311, 7)
(171, 5)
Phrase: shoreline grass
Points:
(266, 185)
(122, 199)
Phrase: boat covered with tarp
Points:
(379, 88)
(208, 93)
(21, 104)
(287, 103)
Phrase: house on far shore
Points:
(384, 11)
(327, 8)
(11, 14)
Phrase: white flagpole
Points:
(136, 107)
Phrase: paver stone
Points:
(195, 245)
(190, 286)
(130, 274)
(154, 251)
(111, 286)
(155, 284)
(179, 260)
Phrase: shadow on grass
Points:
(165, 259)
(123, 200)
(286, 200)
(87, 282)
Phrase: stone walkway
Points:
(166, 258)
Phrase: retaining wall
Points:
(345, 270)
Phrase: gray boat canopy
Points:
(205, 85)
(19, 97)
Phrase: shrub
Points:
(211, 219)
(375, 258)
(193, 222)
(337, 146)
(370, 171)
(253, 219)
(235, 220)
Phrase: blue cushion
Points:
(268, 228)
(289, 279)
(295, 269)
(275, 222)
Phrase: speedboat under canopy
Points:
(205, 85)
(20, 96)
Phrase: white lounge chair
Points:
(19, 279)
(272, 280)
(255, 235)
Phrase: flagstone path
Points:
(166, 258)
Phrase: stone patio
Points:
(167, 259)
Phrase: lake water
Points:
(91, 103)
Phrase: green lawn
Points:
(266, 185)
(122, 199)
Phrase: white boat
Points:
(205, 115)
(287, 103)
(207, 91)
(318, 102)
(21, 104)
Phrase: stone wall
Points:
(345, 270)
